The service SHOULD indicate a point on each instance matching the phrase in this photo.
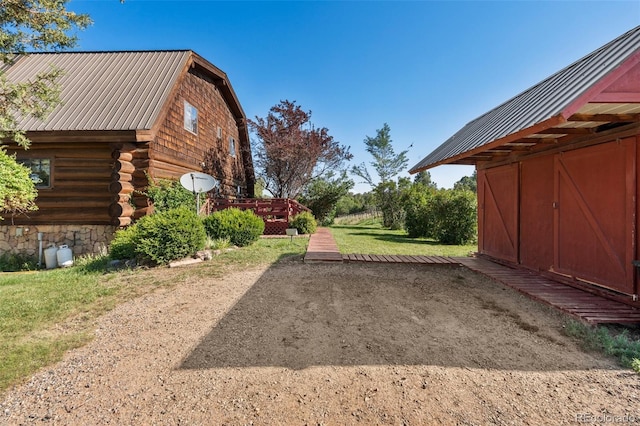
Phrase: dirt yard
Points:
(329, 345)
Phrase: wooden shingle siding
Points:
(176, 150)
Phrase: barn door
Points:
(498, 212)
(594, 214)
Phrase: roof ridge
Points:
(66, 52)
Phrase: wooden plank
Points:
(585, 305)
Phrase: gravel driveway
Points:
(329, 344)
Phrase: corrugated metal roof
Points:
(541, 102)
(104, 90)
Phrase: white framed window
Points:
(232, 146)
(40, 171)
(190, 118)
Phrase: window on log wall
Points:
(40, 171)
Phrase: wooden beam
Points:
(570, 130)
(605, 118)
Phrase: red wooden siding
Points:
(536, 213)
(572, 213)
(498, 212)
(594, 215)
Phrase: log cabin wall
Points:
(74, 209)
(79, 189)
(175, 150)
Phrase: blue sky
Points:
(424, 67)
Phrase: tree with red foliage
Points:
(290, 152)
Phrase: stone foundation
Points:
(81, 239)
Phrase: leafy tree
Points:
(387, 165)
(469, 183)
(290, 152)
(322, 195)
(386, 162)
(32, 25)
(355, 203)
(29, 25)
(390, 196)
(424, 178)
(258, 188)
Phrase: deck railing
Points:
(274, 211)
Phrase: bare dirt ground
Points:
(329, 344)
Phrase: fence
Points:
(274, 211)
(357, 217)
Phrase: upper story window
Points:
(190, 118)
(40, 171)
(232, 146)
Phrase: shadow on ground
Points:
(298, 315)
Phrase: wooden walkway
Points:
(586, 306)
(323, 248)
(581, 304)
(387, 258)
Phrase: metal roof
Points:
(521, 121)
(104, 90)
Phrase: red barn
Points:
(558, 171)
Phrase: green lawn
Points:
(368, 237)
(43, 314)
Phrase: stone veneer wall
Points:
(81, 239)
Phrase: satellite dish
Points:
(197, 182)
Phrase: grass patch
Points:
(45, 313)
(369, 237)
(618, 343)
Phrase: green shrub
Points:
(304, 222)
(123, 245)
(166, 236)
(419, 218)
(17, 190)
(455, 216)
(240, 227)
(13, 262)
(447, 216)
(170, 194)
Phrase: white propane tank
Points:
(50, 257)
(65, 257)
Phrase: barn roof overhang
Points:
(596, 94)
(557, 131)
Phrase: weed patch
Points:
(616, 343)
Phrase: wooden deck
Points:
(586, 306)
